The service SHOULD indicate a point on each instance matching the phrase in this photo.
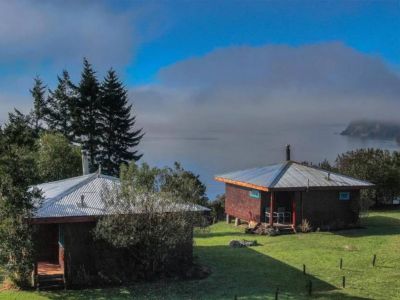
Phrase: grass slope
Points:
(256, 272)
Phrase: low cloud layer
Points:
(255, 89)
(63, 32)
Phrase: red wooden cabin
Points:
(284, 194)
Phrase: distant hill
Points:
(373, 130)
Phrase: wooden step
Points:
(50, 282)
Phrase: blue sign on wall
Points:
(344, 196)
(255, 194)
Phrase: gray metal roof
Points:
(62, 198)
(291, 175)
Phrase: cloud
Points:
(253, 89)
(61, 32)
(44, 37)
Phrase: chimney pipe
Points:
(85, 163)
(287, 152)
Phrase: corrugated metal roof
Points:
(291, 175)
(63, 198)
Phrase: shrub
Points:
(305, 226)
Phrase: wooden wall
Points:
(321, 208)
(324, 209)
(240, 205)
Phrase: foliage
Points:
(151, 219)
(60, 105)
(305, 226)
(255, 273)
(118, 139)
(57, 158)
(380, 167)
(38, 93)
(86, 114)
(184, 185)
(17, 173)
(18, 131)
(217, 207)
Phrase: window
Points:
(344, 196)
(254, 194)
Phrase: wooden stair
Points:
(50, 282)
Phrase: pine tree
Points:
(119, 138)
(60, 104)
(86, 113)
(39, 103)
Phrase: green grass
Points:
(256, 272)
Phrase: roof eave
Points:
(241, 183)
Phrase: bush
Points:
(305, 226)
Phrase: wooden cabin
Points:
(67, 253)
(285, 194)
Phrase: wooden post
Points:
(304, 269)
(271, 209)
(374, 260)
(344, 281)
(228, 218)
(237, 221)
(341, 264)
(294, 209)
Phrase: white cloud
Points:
(64, 32)
(252, 89)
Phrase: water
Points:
(219, 153)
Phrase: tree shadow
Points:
(207, 235)
(241, 272)
(374, 226)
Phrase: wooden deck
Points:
(46, 268)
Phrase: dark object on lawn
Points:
(242, 243)
(304, 269)
(341, 264)
(344, 281)
(374, 260)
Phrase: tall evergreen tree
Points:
(60, 104)
(38, 93)
(119, 137)
(86, 113)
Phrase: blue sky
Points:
(193, 28)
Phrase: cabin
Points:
(66, 252)
(285, 194)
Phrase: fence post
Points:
(374, 260)
(304, 269)
(341, 264)
(344, 281)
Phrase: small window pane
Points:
(255, 194)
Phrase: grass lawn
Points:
(256, 272)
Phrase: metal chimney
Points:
(85, 163)
(287, 152)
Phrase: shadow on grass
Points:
(207, 235)
(374, 226)
(241, 272)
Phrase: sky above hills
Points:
(201, 67)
